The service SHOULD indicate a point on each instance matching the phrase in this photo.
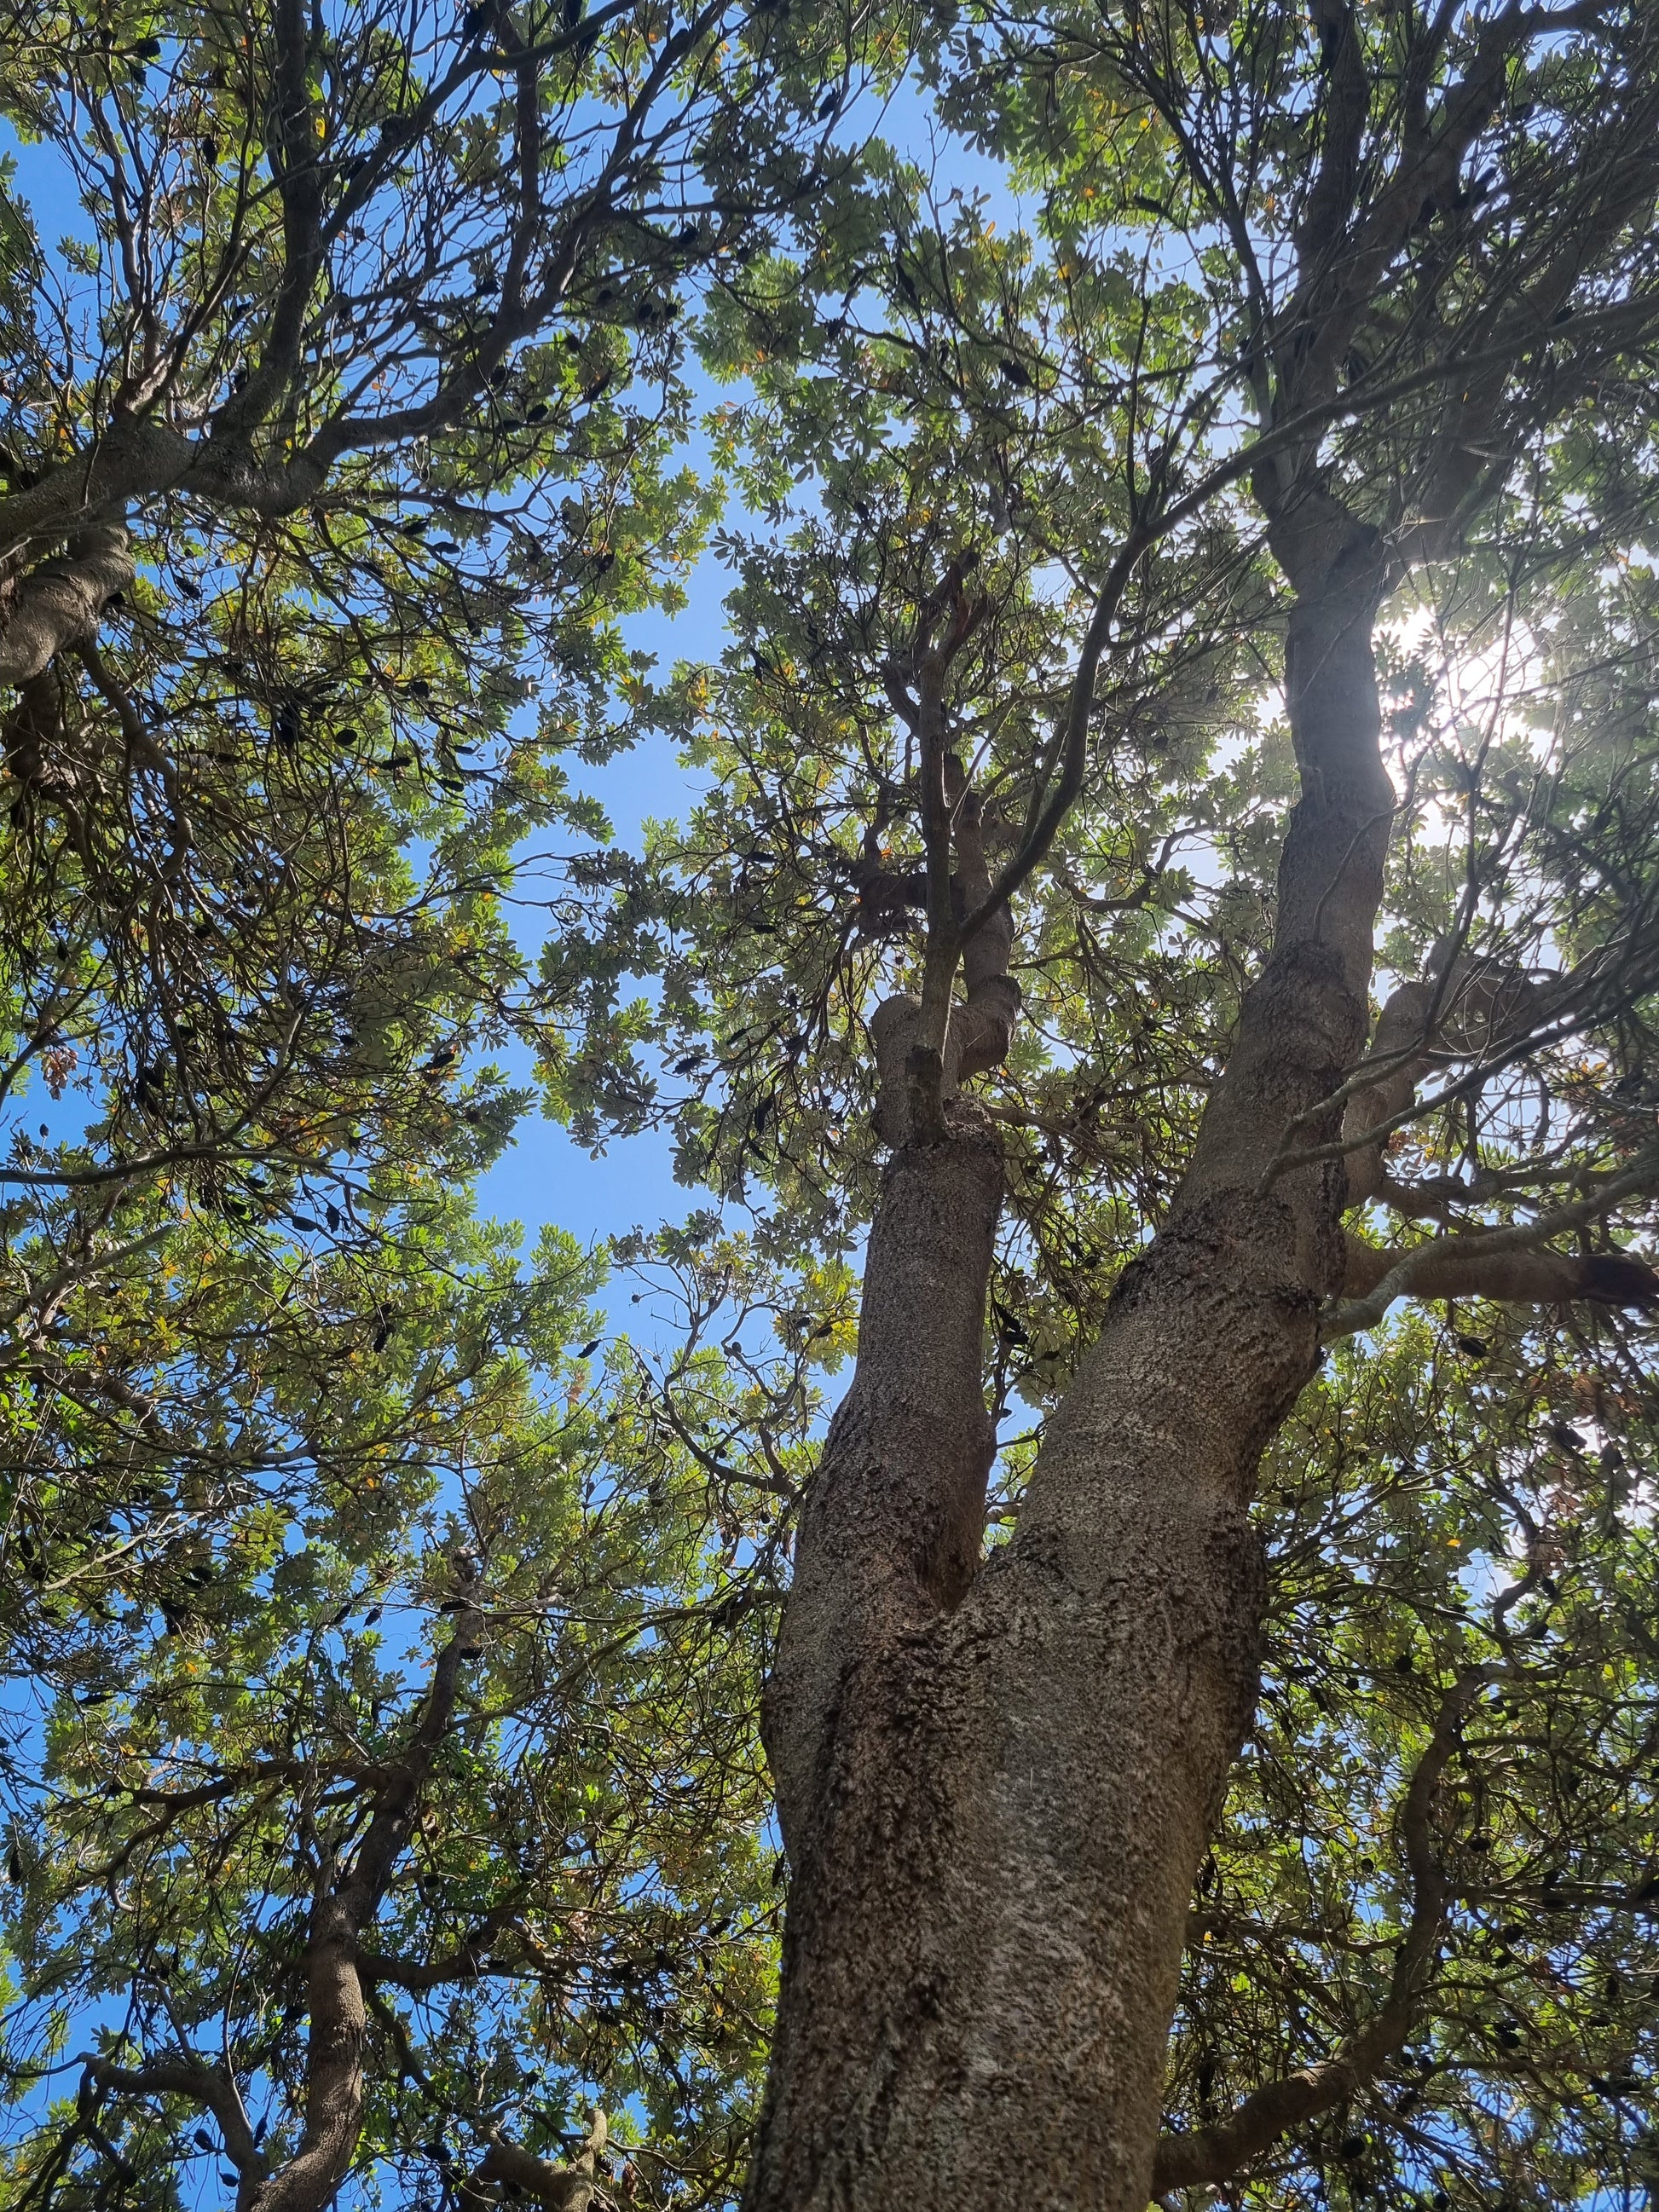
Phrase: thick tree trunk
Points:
(996, 1787)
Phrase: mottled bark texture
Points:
(62, 601)
(996, 1782)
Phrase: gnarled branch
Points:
(1216, 2154)
(60, 602)
(334, 2073)
(213, 2087)
(1449, 1267)
(570, 2187)
(1470, 1005)
(980, 1024)
(1464, 1266)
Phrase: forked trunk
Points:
(997, 1781)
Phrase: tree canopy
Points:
(1089, 418)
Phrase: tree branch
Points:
(912, 1087)
(1470, 1008)
(1448, 1269)
(292, 150)
(1050, 807)
(1457, 1266)
(1333, 292)
(62, 601)
(562, 2188)
(212, 2087)
(142, 746)
(334, 2073)
(1209, 2155)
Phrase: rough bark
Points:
(996, 1788)
(899, 1498)
(997, 1784)
(997, 1780)
(60, 603)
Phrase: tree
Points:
(340, 430)
(1320, 386)
(428, 1818)
(1333, 334)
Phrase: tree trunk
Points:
(996, 1786)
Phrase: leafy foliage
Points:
(289, 1434)
(940, 401)
(585, 1906)
(1452, 1550)
(337, 1574)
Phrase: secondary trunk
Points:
(996, 1786)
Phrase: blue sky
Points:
(543, 1176)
